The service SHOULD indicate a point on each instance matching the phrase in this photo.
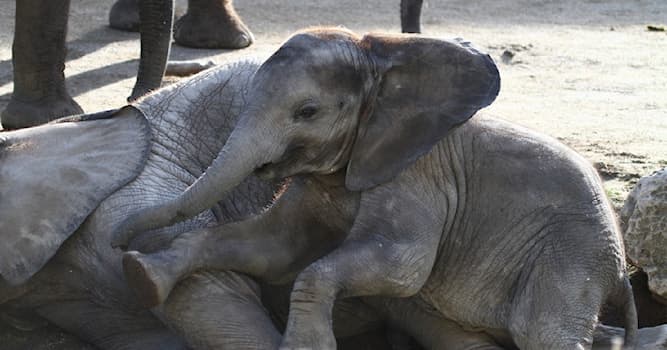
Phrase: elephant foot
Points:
(20, 114)
(147, 280)
(124, 15)
(218, 27)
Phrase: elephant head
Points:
(329, 99)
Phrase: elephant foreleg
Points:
(220, 310)
(389, 252)
(38, 57)
(273, 246)
(228, 247)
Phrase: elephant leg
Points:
(38, 57)
(124, 15)
(265, 246)
(153, 276)
(572, 303)
(431, 329)
(389, 252)
(411, 16)
(220, 310)
(111, 327)
(212, 24)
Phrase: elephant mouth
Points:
(266, 171)
(284, 167)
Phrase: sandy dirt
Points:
(587, 72)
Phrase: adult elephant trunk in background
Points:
(157, 17)
(237, 160)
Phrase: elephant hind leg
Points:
(111, 327)
(558, 308)
(220, 310)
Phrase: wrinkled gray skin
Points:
(72, 278)
(38, 58)
(81, 287)
(503, 232)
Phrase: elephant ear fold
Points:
(425, 88)
(53, 176)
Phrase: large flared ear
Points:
(425, 88)
(53, 176)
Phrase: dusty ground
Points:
(585, 71)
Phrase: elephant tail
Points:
(625, 301)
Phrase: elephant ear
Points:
(424, 88)
(53, 176)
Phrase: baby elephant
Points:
(503, 231)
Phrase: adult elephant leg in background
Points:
(39, 51)
(212, 24)
(410, 16)
(38, 56)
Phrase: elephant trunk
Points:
(157, 17)
(237, 160)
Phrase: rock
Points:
(507, 56)
(644, 221)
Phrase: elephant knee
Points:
(315, 284)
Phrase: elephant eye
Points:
(306, 112)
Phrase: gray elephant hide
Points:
(70, 172)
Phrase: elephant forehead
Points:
(316, 73)
(322, 52)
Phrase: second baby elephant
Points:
(504, 232)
